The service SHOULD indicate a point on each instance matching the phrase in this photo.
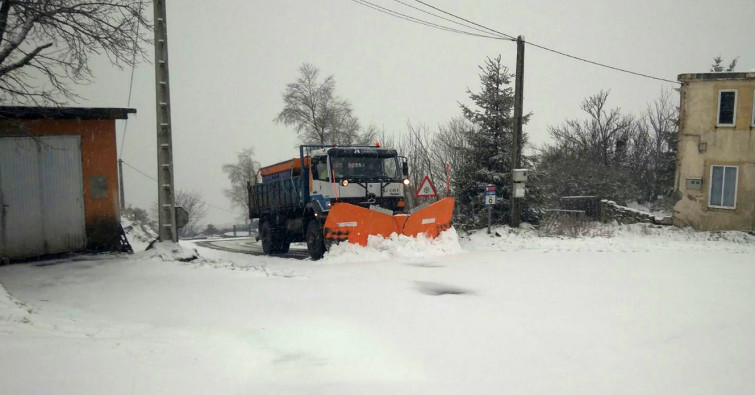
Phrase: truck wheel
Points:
(283, 245)
(315, 240)
(266, 235)
(274, 241)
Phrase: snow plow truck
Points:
(332, 194)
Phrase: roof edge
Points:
(73, 113)
(746, 75)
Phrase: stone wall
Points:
(610, 211)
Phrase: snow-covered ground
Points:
(644, 311)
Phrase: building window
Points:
(97, 187)
(727, 107)
(723, 186)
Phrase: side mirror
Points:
(404, 167)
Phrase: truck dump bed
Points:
(283, 170)
(281, 190)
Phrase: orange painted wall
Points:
(98, 158)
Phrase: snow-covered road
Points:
(248, 245)
(391, 319)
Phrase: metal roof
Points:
(80, 113)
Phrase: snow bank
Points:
(169, 251)
(612, 237)
(395, 247)
(138, 234)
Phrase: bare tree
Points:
(239, 174)
(192, 202)
(600, 135)
(368, 135)
(450, 145)
(45, 44)
(661, 120)
(211, 230)
(613, 155)
(319, 116)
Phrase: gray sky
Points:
(230, 61)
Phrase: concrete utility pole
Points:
(165, 195)
(515, 214)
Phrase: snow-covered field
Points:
(644, 311)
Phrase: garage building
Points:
(58, 180)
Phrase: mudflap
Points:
(347, 222)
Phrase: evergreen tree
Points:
(718, 67)
(487, 156)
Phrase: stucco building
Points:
(58, 180)
(715, 172)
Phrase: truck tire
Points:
(274, 241)
(283, 245)
(315, 240)
(266, 236)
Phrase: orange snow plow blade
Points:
(347, 222)
(430, 220)
(355, 224)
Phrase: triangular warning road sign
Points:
(426, 188)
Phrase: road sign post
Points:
(489, 197)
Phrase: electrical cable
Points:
(131, 83)
(155, 180)
(218, 208)
(601, 64)
(139, 171)
(420, 21)
(551, 50)
(444, 18)
(465, 20)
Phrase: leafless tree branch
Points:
(46, 44)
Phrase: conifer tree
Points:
(488, 152)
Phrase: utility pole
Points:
(165, 197)
(515, 214)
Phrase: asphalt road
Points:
(248, 245)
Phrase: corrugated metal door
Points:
(41, 196)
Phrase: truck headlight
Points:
(406, 181)
(345, 182)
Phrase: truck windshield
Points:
(365, 168)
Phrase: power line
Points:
(218, 208)
(465, 20)
(550, 49)
(139, 171)
(419, 21)
(601, 64)
(444, 18)
(155, 180)
(131, 82)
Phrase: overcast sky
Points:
(230, 61)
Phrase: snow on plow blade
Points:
(355, 224)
